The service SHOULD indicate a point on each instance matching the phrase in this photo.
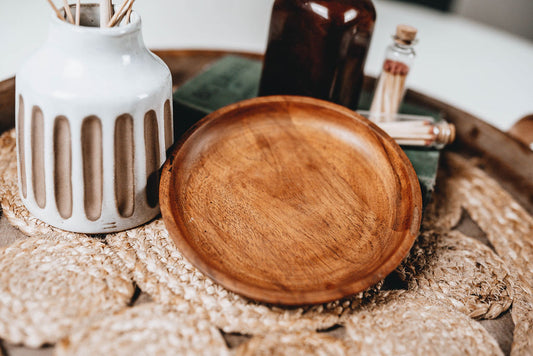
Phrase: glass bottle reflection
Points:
(318, 49)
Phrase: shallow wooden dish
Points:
(291, 200)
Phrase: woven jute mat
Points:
(467, 274)
(509, 229)
(395, 323)
(49, 286)
(407, 323)
(449, 279)
(298, 343)
(149, 329)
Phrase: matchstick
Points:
(421, 118)
(106, 11)
(413, 142)
(58, 13)
(78, 6)
(387, 96)
(122, 14)
(128, 14)
(68, 12)
(396, 93)
(376, 109)
(115, 17)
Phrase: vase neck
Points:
(68, 37)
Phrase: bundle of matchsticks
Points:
(108, 18)
(420, 133)
(416, 130)
(389, 92)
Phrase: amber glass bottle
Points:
(318, 48)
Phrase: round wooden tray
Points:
(291, 200)
(499, 154)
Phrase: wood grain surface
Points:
(291, 200)
(522, 130)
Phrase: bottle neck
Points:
(402, 48)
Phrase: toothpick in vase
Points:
(78, 6)
(120, 13)
(128, 15)
(106, 11)
(58, 13)
(124, 13)
(68, 12)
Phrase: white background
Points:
(484, 71)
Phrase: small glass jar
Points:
(391, 87)
(318, 49)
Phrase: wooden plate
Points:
(291, 200)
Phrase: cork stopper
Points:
(405, 34)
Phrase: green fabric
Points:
(234, 78)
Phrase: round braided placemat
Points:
(509, 229)
(507, 226)
(293, 344)
(393, 323)
(463, 271)
(149, 329)
(12, 206)
(48, 286)
(160, 270)
(444, 211)
(407, 323)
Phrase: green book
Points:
(235, 78)
(227, 81)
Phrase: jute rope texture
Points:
(465, 273)
(160, 270)
(441, 272)
(149, 329)
(407, 323)
(49, 286)
(393, 323)
(509, 229)
(293, 344)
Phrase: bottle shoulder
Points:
(403, 55)
(339, 11)
(402, 51)
(329, 3)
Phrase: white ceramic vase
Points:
(93, 125)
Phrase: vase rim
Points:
(134, 25)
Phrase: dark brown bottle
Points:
(318, 48)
